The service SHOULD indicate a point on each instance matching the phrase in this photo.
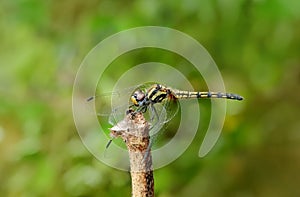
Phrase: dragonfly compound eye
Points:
(137, 97)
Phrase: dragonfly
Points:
(158, 93)
(159, 102)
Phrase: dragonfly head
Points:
(138, 98)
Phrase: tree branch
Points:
(134, 130)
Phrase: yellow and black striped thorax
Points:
(158, 93)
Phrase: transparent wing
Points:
(171, 107)
(160, 114)
(111, 106)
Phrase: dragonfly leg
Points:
(108, 143)
(142, 109)
(106, 147)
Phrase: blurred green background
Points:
(254, 43)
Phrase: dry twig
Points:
(134, 130)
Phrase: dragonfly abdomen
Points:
(187, 94)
